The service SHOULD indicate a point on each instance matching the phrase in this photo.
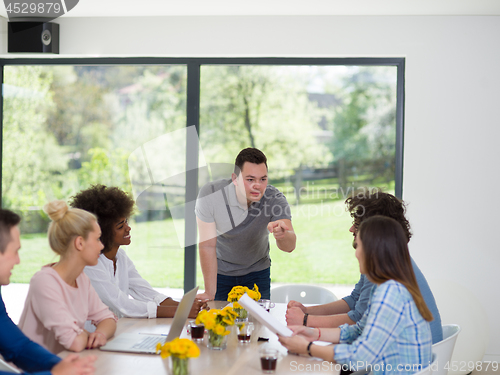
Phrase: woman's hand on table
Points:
(310, 334)
(295, 344)
(73, 364)
(96, 340)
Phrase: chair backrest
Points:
(309, 294)
(444, 348)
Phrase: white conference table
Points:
(236, 359)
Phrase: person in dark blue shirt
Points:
(15, 347)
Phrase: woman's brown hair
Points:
(386, 257)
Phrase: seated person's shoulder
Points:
(394, 288)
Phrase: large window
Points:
(327, 126)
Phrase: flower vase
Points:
(215, 341)
(242, 314)
(178, 366)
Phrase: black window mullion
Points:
(192, 153)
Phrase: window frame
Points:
(193, 114)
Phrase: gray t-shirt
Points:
(242, 236)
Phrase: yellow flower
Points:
(210, 322)
(230, 310)
(181, 348)
(220, 330)
(194, 351)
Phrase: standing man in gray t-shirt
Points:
(235, 217)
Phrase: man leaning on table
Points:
(349, 310)
(235, 217)
(14, 345)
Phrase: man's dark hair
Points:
(8, 219)
(109, 204)
(367, 203)
(251, 155)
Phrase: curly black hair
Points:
(367, 203)
(109, 204)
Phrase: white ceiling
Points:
(131, 8)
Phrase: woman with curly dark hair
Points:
(115, 277)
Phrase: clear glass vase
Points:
(242, 314)
(215, 341)
(178, 366)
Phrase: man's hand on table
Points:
(294, 316)
(197, 306)
(73, 364)
(205, 297)
(293, 303)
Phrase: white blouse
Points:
(115, 289)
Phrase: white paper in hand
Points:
(263, 316)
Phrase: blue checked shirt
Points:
(391, 336)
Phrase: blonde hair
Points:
(67, 223)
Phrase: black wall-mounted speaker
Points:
(37, 37)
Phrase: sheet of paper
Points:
(263, 316)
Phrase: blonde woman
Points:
(61, 297)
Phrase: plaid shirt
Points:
(390, 335)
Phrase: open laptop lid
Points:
(146, 343)
(181, 314)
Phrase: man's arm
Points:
(208, 257)
(335, 314)
(332, 308)
(282, 231)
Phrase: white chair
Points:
(5, 367)
(444, 348)
(309, 294)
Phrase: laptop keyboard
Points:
(149, 343)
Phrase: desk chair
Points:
(444, 348)
(308, 294)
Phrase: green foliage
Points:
(32, 160)
(324, 251)
(364, 125)
(107, 167)
(259, 106)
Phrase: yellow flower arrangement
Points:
(215, 322)
(235, 295)
(180, 350)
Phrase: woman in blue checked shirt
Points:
(393, 336)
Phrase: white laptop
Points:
(146, 343)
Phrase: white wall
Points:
(451, 114)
